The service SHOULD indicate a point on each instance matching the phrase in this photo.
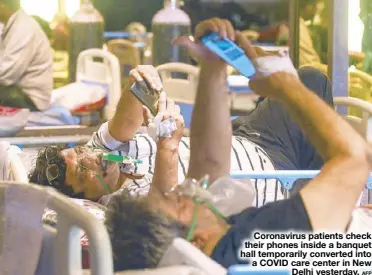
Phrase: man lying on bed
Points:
(146, 226)
(268, 139)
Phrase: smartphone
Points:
(230, 52)
(146, 95)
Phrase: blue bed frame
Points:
(287, 178)
(248, 270)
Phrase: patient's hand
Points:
(169, 110)
(166, 163)
(128, 117)
(198, 51)
(146, 73)
(267, 85)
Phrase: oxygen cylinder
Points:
(86, 32)
(60, 29)
(168, 24)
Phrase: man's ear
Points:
(199, 239)
(204, 240)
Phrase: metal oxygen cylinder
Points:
(86, 32)
(168, 24)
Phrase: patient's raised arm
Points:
(211, 132)
(166, 162)
(331, 197)
(128, 117)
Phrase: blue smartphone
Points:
(230, 52)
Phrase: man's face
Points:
(86, 172)
(209, 227)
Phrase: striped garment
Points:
(245, 155)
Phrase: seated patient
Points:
(268, 139)
(141, 229)
(26, 61)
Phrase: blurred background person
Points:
(26, 75)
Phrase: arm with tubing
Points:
(331, 197)
(166, 162)
(128, 117)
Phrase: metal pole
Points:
(338, 48)
(294, 28)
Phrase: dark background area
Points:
(119, 13)
(250, 14)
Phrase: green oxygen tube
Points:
(120, 159)
(117, 159)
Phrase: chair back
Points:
(128, 54)
(49, 250)
(180, 89)
(99, 67)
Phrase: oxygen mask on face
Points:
(224, 197)
(191, 188)
(102, 164)
(90, 163)
(227, 195)
(231, 196)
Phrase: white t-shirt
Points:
(26, 59)
(245, 155)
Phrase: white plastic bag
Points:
(77, 95)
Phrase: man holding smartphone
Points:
(266, 140)
(326, 204)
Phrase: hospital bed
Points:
(94, 67)
(183, 91)
(187, 252)
(18, 171)
(50, 250)
(58, 251)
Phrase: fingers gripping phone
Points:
(146, 95)
(230, 52)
